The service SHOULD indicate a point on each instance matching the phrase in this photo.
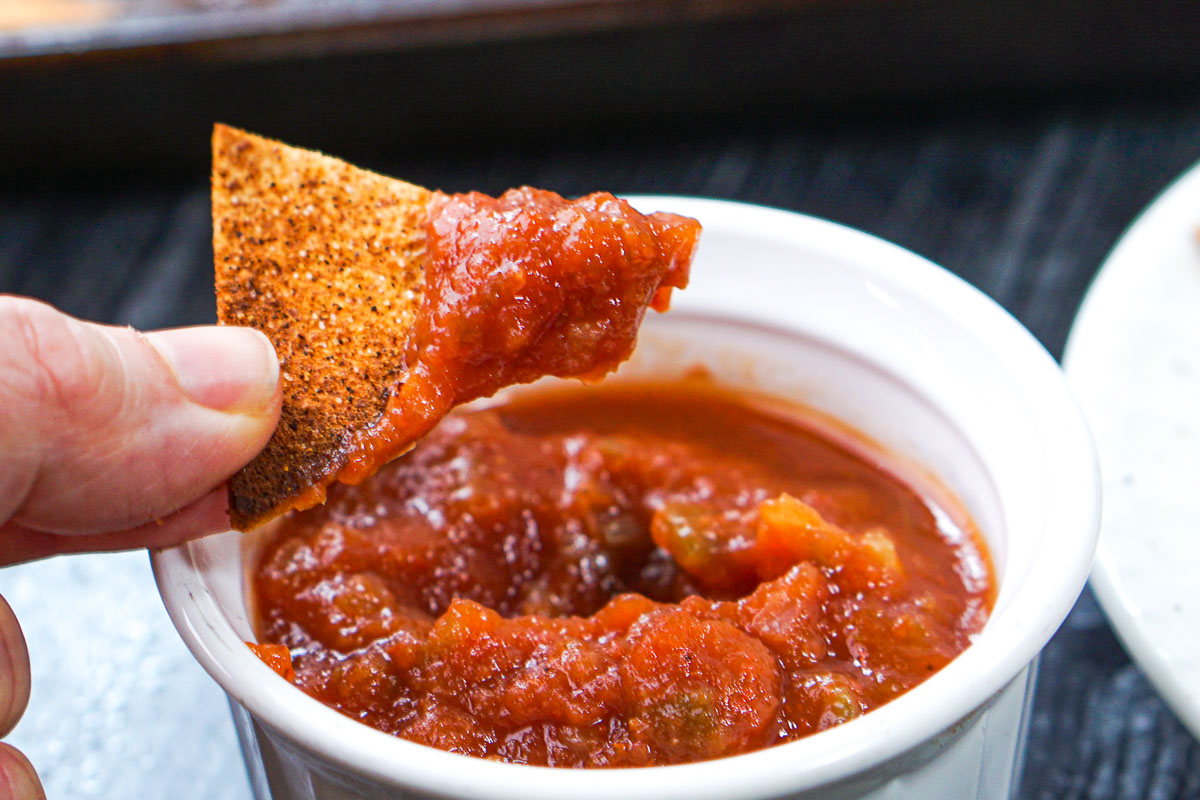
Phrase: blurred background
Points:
(1011, 141)
(80, 79)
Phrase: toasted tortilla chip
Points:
(328, 261)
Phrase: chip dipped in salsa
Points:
(628, 574)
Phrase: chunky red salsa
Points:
(624, 575)
(521, 286)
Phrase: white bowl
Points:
(902, 351)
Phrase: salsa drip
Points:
(623, 576)
(522, 286)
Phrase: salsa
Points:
(623, 575)
(388, 304)
(521, 286)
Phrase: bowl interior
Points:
(915, 360)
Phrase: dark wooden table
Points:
(1022, 199)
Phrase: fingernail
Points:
(227, 369)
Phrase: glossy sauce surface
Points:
(620, 575)
(521, 286)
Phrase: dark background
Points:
(1011, 144)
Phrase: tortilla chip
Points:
(328, 261)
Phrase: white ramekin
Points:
(909, 355)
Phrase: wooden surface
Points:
(410, 74)
(1021, 200)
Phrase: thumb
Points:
(105, 429)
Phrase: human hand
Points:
(112, 439)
